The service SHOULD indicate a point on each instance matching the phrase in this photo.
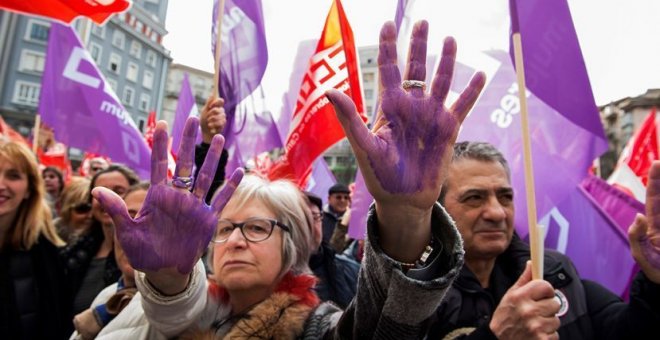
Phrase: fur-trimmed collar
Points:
(281, 316)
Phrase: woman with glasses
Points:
(89, 261)
(75, 215)
(261, 286)
(33, 289)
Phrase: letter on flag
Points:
(185, 108)
(66, 10)
(314, 125)
(82, 108)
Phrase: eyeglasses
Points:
(339, 197)
(82, 208)
(317, 216)
(254, 229)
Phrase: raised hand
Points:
(404, 159)
(644, 234)
(175, 225)
(408, 151)
(527, 310)
(212, 118)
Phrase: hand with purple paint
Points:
(644, 234)
(174, 227)
(404, 158)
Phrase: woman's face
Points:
(114, 181)
(242, 265)
(81, 215)
(13, 188)
(53, 184)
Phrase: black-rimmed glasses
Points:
(254, 229)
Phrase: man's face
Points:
(480, 199)
(339, 201)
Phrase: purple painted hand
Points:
(174, 226)
(644, 234)
(404, 158)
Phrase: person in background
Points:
(212, 121)
(495, 296)
(54, 182)
(339, 201)
(90, 262)
(116, 312)
(337, 273)
(97, 164)
(75, 214)
(34, 302)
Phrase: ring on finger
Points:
(182, 182)
(407, 84)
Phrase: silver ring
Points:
(182, 182)
(406, 84)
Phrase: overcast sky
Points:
(620, 39)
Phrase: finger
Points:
(538, 290)
(466, 100)
(525, 277)
(114, 206)
(388, 70)
(159, 154)
(653, 195)
(637, 230)
(442, 80)
(416, 66)
(548, 307)
(356, 131)
(224, 194)
(207, 171)
(184, 164)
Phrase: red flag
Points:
(66, 10)
(149, 138)
(314, 125)
(9, 134)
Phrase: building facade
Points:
(128, 50)
(201, 84)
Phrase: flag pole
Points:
(218, 44)
(535, 237)
(35, 133)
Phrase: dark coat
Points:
(337, 275)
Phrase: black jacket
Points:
(337, 275)
(200, 155)
(593, 312)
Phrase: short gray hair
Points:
(480, 151)
(288, 203)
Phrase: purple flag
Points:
(82, 108)
(400, 12)
(554, 68)
(185, 108)
(360, 203)
(321, 180)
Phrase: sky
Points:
(620, 40)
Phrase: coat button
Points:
(561, 276)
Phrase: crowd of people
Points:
(206, 255)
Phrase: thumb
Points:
(638, 229)
(525, 277)
(356, 130)
(114, 206)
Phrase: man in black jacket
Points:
(495, 296)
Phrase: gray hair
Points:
(288, 203)
(480, 151)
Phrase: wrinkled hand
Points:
(644, 234)
(86, 324)
(212, 118)
(405, 157)
(527, 310)
(174, 226)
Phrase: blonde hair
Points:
(33, 217)
(74, 193)
(288, 203)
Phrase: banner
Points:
(66, 10)
(81, 107)
(185, 108)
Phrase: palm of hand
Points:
(173, 226)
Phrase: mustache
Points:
(490, 227)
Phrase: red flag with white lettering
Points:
(66, 10)
(314, 125)
(149, 138)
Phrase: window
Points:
(151, 58)
(136, 49)
(145, 102)
(148, 79)
(32, 61)
(128, 96)
(37, 31)
(122, 16)
(154, 36)
(115, 63)
(139, 26)
(368, 77)
(118, 39)
(368, 94)
(95, 51)
(141, 124)
(113, 84)
(26, 93)
(98, 31)
(132, 72)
